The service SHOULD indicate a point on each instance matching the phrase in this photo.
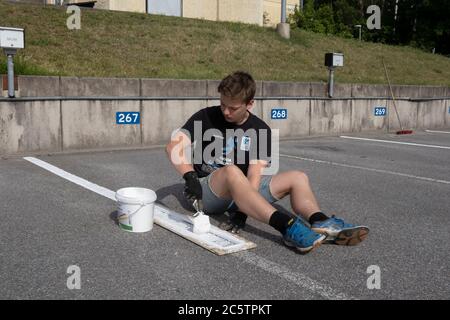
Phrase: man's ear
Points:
(250, 105)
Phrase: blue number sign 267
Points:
(278, 114)
(380, 111)
(128, 118)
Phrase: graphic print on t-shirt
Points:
(219, 143)
(245, 143)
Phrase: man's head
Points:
(236, 96)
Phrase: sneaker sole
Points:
(347, 237)
(316, 244)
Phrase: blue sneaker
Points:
(301, 237)
(340, 232)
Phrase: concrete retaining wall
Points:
(298, 121)
(33, 126)
(97, 87)
(285, 89)
(69, 125)
(363, 116)
(160, 118)
(173, 88)
(447, 112)
(38, 125)
(92, 125)
(329, 117)
(407, 111)
(34, 86)
(431, 114)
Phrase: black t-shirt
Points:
(217, 143)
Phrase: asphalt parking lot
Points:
(400, 190)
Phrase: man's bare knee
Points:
(221, 180)
(232, 172)
(300, 177)
(231, 168)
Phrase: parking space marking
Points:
(437, 131)
(299, 279)
(397, 142)
(73, 178)
(367, 169)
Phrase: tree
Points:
(423, 24)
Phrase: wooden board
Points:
(216, 240)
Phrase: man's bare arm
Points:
(176, 151)
(254, 172)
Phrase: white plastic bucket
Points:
(135, 209)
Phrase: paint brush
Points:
(200, 220)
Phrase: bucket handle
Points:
(131, 214)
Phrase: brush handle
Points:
(198, 206)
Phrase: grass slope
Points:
(122, 44)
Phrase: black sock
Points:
(318, 216)
(280, 221)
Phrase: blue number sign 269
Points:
(128, 117)
(278, 114)
(380, 111)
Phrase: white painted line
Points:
(397, 142)
(367, 169)
(72, 178)
(297, 278)
(436, 131)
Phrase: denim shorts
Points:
(213, 204)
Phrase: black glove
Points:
(192, 187)
(235, 223)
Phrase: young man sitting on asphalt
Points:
(230, 178)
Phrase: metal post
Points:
(283, 28)
(359, 26)
(395, 15)
(10, 76)
(330, 82)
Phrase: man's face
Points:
(234, 110)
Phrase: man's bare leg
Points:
(296, 184)
(229, 182)
(304, 203)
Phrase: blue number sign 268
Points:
(278, 114)
(128, 118)
(380, 111)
